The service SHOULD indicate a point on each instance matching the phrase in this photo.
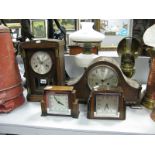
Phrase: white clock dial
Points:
(107, 106)
(58, 104)
(41, 62)
(102, 75)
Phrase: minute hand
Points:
(58, 101)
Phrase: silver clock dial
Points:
(102, 75)
(58, 104)
(107, 106)
(41, 62)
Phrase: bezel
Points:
(31, 61)
(99, 66)
(58, 112)
(105, 95)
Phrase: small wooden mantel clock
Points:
(60, 101)
(44, 65)
(106, 104)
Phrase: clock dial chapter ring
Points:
(102, 76)
(107, 105)
(41, 62)
(58, 103)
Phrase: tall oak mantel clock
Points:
(44, 65)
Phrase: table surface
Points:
(27, 119)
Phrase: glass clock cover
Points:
(58, 104)
(107, 106)
(41, 62)
(103, 76)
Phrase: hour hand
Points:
(106, 79)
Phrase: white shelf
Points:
(27, 119)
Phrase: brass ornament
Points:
(128, 48)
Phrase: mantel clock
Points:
(106, 104)
(105, 72)
(44, 65)
(60, 101)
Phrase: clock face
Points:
(102, 75)
(107, 106)
(41, 62)
(58, 104)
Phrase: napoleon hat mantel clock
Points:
(106, 72)
(60, 101)
(44, 65)
(106, 103)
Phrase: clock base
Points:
(34, 98)
(74, 111)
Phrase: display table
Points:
(27, 119)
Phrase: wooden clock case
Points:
(131, 94)
(55, 48)
(72, 101)
(106, 92)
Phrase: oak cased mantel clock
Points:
(44, 65)
(60, 101)
(106, 104)
(105, 72)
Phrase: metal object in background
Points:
(129, 48)
(149, 98)
(11, 91)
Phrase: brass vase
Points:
(128, 48)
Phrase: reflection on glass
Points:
(115, 27)
(107, 106)
(69, 24)
(39, 28)
(114, 30)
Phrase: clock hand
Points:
(39, 60)
(106, 107)
(44, 57)
(58, 101)
(103, 80)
